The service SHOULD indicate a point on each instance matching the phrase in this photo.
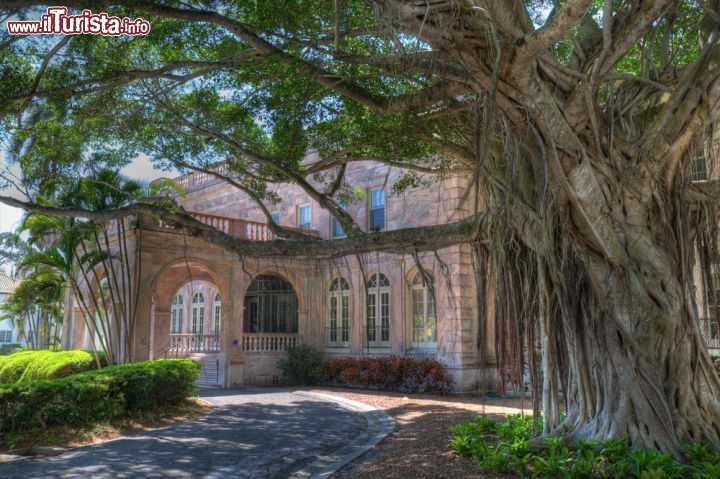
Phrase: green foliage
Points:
(33, 365)
(392, 374)
(502, 447)
(96, 395)
(302, 366)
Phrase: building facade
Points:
(8, 331)
(240, 314)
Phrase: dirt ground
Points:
(419, 446)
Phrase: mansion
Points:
(239, 314)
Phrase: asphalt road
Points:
(251, 433)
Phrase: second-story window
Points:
(336, 229)
(377, 209)
(276, 217)
(304, 217)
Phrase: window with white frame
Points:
(336, 229)
(338, 327)
(423, 322)
(176, 314)
(198, 313)
(217, 312)
(376, 218)
(304, 217)
(698, 167)
(6, 335)
(378, 311)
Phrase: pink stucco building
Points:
(240, 313)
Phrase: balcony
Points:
(249, 230)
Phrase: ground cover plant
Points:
(508, 447)
(45, 364)
(98, 395)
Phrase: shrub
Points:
(33, 365)
(302, 366)
(391, 374)
(96, 395)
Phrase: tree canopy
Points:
(578, 121)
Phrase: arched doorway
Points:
(270, 319)
(195, 319)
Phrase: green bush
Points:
(44, 364)
(96, 395)
(503, 448)
(390, 374)
(302, 366)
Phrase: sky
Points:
(140, 169)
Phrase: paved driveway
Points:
(251, 433)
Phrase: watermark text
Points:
(57, 22)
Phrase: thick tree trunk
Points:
(636, 364)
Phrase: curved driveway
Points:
(251, 433)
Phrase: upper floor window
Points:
(176, 314)
(698, 169)
(378, 311)
(338, 327)
(304, 217)
(276, 217)
(336, 229)
(377, 209)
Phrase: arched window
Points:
(270, 306)
(198, 313)
(423, 322)
(378, 311)
(217, 311)
(338, 326)
(176, 314)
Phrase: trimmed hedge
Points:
(96, 395)
(44, 364)
(390, 374)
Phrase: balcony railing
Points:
(250, 230)
(269, 342)
(181, 344)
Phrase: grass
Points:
(96, 432)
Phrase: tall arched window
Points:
(176, 314)
(217, 311)
(423, 322)
(338, 327)
(270, 306)
(198, 313)
(378, 311)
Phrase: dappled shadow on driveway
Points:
(249, 434)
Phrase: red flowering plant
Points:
(389, 373)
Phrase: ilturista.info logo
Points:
(57, 22)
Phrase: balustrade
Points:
(181, 344)
(269, 342)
